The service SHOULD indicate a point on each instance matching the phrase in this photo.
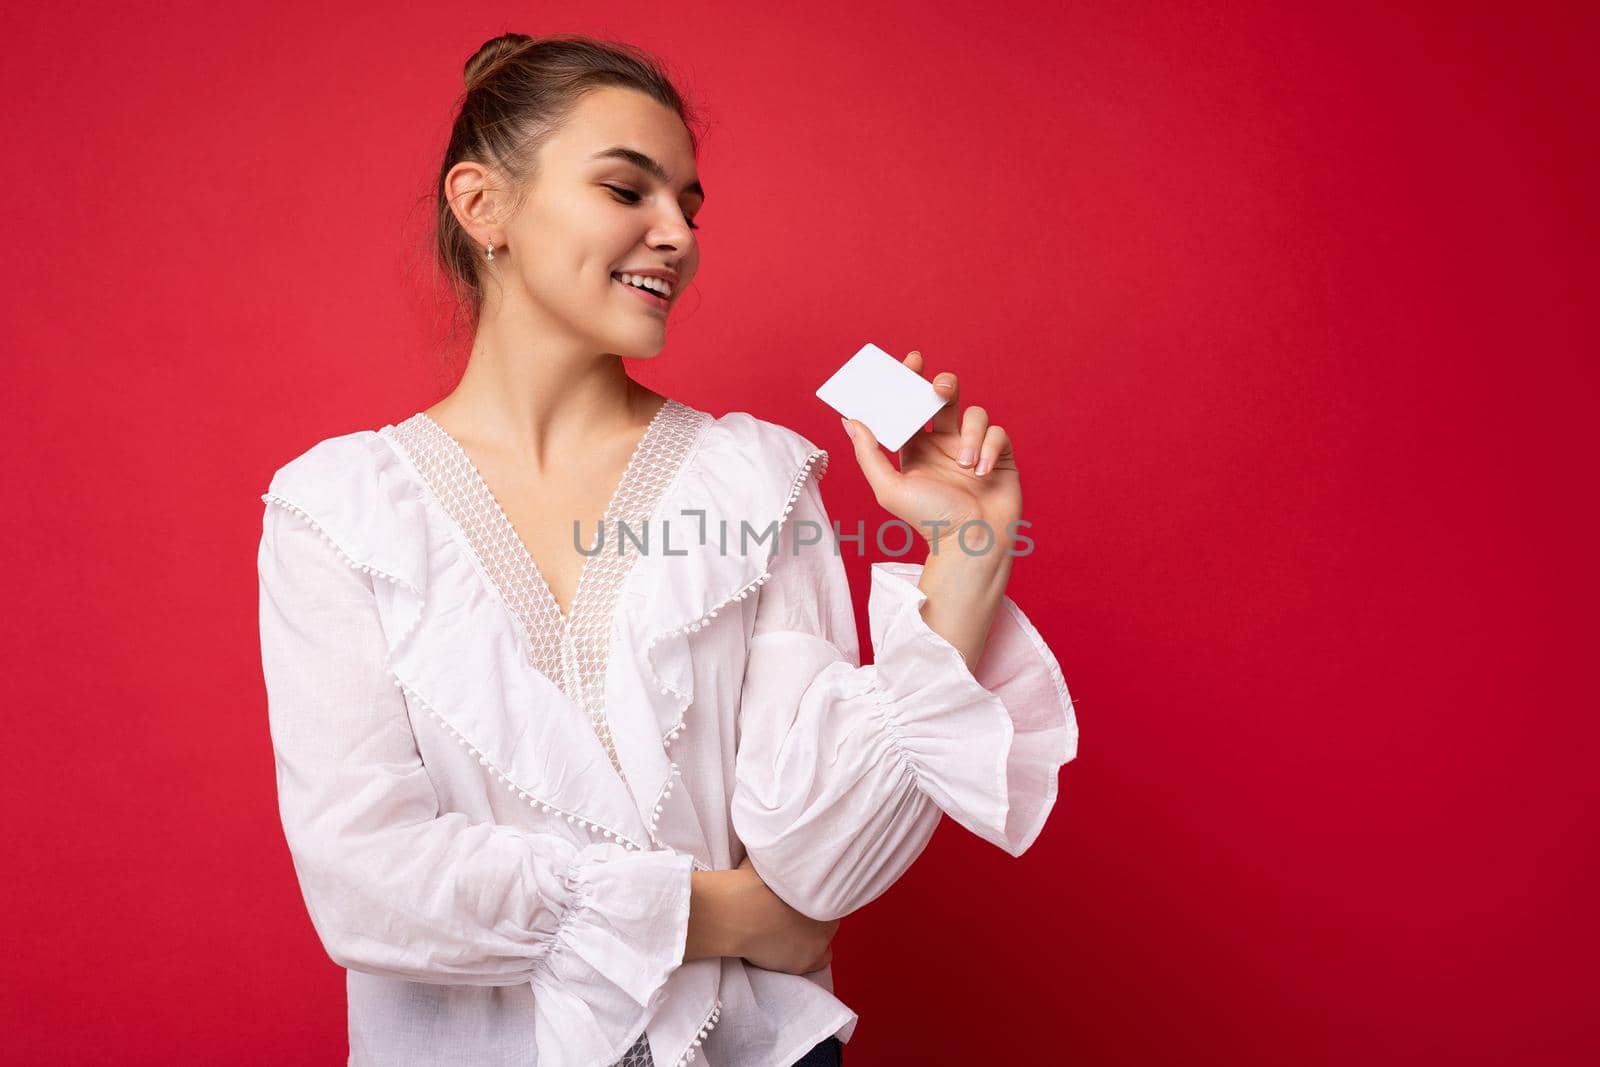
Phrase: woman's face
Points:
(590, 214)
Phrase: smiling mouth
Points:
(654, 300)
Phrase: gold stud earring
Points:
(490, 251)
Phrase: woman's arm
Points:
(964, 593)
(734, 913)
(714, 929)
(961, 471)
(842, 770)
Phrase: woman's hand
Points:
(960, 470)
(775, 936)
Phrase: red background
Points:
(1283, 308)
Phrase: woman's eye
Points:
(635, 199)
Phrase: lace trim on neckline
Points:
(572, 651)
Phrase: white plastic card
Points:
(879, 390)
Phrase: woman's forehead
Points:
(628, 125)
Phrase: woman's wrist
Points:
(714, 928)
(964, 593)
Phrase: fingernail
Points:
(847, 428)
(983, 468)
(966, 458)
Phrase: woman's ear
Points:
(475, 201)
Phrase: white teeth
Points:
(656, 285)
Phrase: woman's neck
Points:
(534, 408)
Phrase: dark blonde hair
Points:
(520, 90)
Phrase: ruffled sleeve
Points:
(843, 770)
(396, 887)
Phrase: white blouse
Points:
(493, 811)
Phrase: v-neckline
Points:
(573, 652)
(630, 475)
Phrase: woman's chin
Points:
(646, 349)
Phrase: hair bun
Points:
(490, 53)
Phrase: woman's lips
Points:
(659, 303)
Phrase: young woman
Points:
(564, 807)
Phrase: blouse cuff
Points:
(620, 938)
(985, 745)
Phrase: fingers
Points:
(996, 444)
(981, 446)
(944, 420)
(827, 954)
(974, 424)
(873, 459)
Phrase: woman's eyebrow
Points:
(648, 165)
